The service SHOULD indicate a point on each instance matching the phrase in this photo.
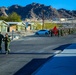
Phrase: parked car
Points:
(42, 32)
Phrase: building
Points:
(16, 26)
(3, 26)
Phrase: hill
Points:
(36, 11)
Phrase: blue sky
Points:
(66, 4)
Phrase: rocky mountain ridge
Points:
(37, 11)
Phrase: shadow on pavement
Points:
(33, 65)
(38, 35)
(62, 47)
(28, 53)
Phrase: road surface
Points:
(30, 52)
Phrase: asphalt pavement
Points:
(29, 53)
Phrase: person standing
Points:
(1, 38)
(7, 41)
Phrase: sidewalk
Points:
(61, 64)
(17, 35)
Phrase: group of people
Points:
(6, 39)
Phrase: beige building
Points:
(16, 26)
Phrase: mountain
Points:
(3, 11)
(37, 11)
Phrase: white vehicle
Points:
(42, 32)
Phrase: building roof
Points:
(2, 21)
(17, 23)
